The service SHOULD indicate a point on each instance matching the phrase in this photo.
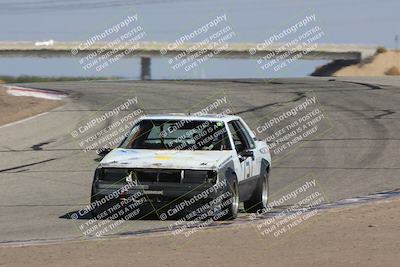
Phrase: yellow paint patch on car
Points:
(163, 157)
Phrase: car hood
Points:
(165, 159)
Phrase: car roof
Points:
(186, 116)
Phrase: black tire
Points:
(103, 210)
(259, 199)
(230, 211)
(98, 209)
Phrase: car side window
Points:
(246, 134)
(238, 138)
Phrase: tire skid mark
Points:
(27, 165)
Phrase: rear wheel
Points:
(259, 199)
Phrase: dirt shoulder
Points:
(366, 235)
(14, 108)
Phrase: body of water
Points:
(346, 22)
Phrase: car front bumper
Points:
(158, 192)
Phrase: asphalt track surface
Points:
(44, 175)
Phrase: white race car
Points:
(180, 162)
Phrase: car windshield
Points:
(178, 135)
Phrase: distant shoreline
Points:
(29, 78)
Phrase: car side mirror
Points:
(102, 152)
(247, 153)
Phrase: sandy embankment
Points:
(382, 64)
(14, 108)
(379, 66)
(367, 235)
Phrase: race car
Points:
(177, 162)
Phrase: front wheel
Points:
(230, 207)
(259, 199)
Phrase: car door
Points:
(242, 144)
(256, 159)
